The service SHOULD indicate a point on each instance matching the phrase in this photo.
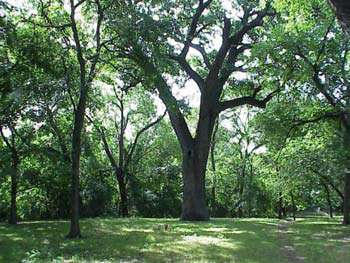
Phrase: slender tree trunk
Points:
(194, 206)
(123, 205)
(241, 191)
(76, 152)
(293, 205)
(284, 212)
(280, 206)
(329, 200)
(14, 176)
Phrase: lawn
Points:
(148, 240)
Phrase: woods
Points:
(174, 109)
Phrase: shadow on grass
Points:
(320, 239)
(146, 240)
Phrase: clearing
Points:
(170, 240)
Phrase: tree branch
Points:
(139, 133)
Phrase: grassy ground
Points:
(146, 240)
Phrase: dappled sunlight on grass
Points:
(147, 240)
(321, 239)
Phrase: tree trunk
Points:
(241, 191)
(346, 204)
(213, 166)
(293, 205)
(342, 11)
(76, 152)
(329, 200)
(14, 176)
(194, 206)
(280, 206)
(123, 205)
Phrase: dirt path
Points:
(286, 246)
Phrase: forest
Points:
(175, 131)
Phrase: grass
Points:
(146, 240)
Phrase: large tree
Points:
(213, 72)
(67, 24)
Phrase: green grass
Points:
(145, 240)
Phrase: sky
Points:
(190, 92)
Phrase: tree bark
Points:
(123, 205)
(212, 158)
(241, 191)
(346, 204)
(194, 206)
(293, 205)
(76, 153)
(342, 11)
(280, 206)
(329, 200)
(11, 145)
(345, 118)
(14, 176)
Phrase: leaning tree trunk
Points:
(329, 200)
(123, 205)
(14, 176)
(194, 206)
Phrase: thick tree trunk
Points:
(194, 206)
(123, 205)
(342, 11)
(14, 176)
(213, 196)
(346, 204)
(213, 166)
